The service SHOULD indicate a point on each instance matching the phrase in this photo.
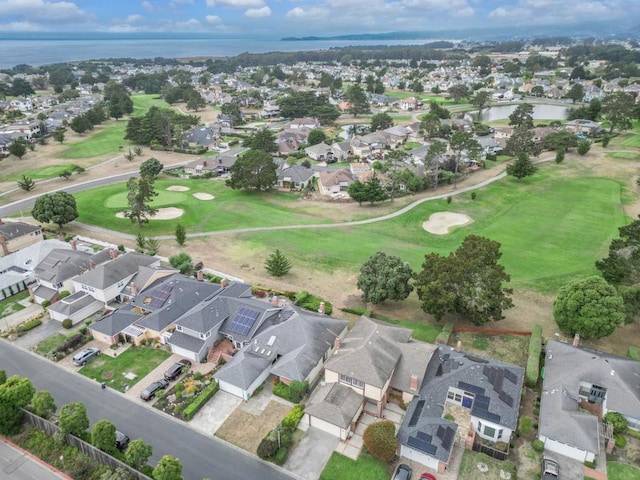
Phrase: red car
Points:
(427, 476)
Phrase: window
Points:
(351, 381)
(489, 431)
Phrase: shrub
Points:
(281, 456)
(208, 392)
(617, 421)
(311, 302)
(525, 424)
(291, 421)
(30, 325)
(46, 303)
(448, 416)
(121, 248)
(621, 441)
(64, 294)
(282, 390)
(297, 390)
(473, 195)
(538, 445)
(71, 343)
(67, 323)
(445, 334)
(354, 310)
(449, 199)
(268, 446)
(533, 361)
(633, 353)
(380, 440)
(590, 464)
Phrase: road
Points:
(16, 465)
(201, 456)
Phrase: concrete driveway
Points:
(311, 454)
(214, 413)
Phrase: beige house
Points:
(17, 235)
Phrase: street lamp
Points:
(278, 430)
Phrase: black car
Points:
(176, 369)
(122, 441)
(403, 472)
(150, 392)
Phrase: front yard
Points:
(366, 467)
(478, 466)
(622, 471)
(54, 346)
(10, 305)
(125, 369)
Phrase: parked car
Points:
(176, 369)
(550, 469)
(150, 392)
(427, 476)
(122, 441)
(403, 472)
(85, 355)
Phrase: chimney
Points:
(274, 301)
(92, 265)
(200, 275)
(459, 346)
(113, 253)
(321, 309)
(74, 245)
(413, 382)
(224, 282)
(134, 289)
(336, 343)
(3, 243)
(576, 340)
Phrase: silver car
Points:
(82, 357)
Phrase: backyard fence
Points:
(490, 331)
(478, 446)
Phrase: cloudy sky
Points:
(295, 17)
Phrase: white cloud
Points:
(463, 12)
(148, 6)
(123, 28)
(213, 19)
(133, 18)
(20, 27)
(191, 24)
(258, 12)
(43, 11)
(298, 13)
(236, 3)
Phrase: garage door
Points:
(418, 456)
(325, 426)
(566, 450)
(232, 389)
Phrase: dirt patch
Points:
(245, 430)
(506, 348)
(441, 222)
(203, 196)
(168, 213)
(178, 188)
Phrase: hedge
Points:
(633, 353)
(200, 400)
(291, 421)
(30, 325)
(445, 334)
(533, 362)
(311, 302)
(70, 343)
(354, 310)
(292, 392)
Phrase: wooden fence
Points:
(490, 331)
(86, 448)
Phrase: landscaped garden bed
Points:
(185, 398)
(59, 345)
(10, 305)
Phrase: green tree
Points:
(385, 277)
(537, 91)
(26, 183)
(255, 170)
(358, 191)
(18, 147)
(522, 141)
(622, 265)
(463, 142)
(316, 136)
(433, 159)
(468, 282)
(118, 474)
(43, 404)
(357, 99)
(560, 140)
(73, 419)
(182, 261)
(430, 125)
(522, 116)
(483, 63)
(584, 146)
(481, 100)
(522, 167)
(417, 86)
(3, 377)
(103, 436)
(168, 468)
(58, 135)
(66, 174)
(59, 208)
(458, 92)
(263, 140)
(381, 121)
(181, 234)
(576, 93)
(20, 87)
(380, 440)
(151, 168)
(277, 264)
(15, 394)
(138, 453)
(139, 197)
(618, 107)
(617, 421)
(196, 101)
(589, 307)
(560, 155)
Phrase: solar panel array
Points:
(160, 295)
(496, 377)
(509, 375)
(446, 435)
(416, 413)
(422, 445)
(244, 321)
(467, 387)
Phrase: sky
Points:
(300, 17)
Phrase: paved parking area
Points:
(309, 457)
(214, 413)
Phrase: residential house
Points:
(221, 164)
(269, 111)
(580, 386)
(295, 177)
(584, 127)
(22, 104)
(17, 235)
(321, 152)
(332, 182)
(480, 394)
(409, 103)
(203, 136)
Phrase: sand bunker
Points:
(178, 188)
(162, 214)
(440, 223)
(203, 196)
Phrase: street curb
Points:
(35, 458)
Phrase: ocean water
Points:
(42, 49)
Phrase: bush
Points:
(354, 310)
(67, 323)
(633, 353)
(621, 441)
(533, 361)
(268, 446)
(445, 334)
(590, 464)
(71, 343)
(291, 421)
(306, 300)
(121, 248)
(64, 294)
(297, 390)
(449, 199)
(30, 325)
(200, 400)
(617, 421)
(46, 303)
(538, 445)
(525, 424)
(380, 440)
(282, 390)
(281, 456)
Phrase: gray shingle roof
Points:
(188, 342)
(242, 369)
(74, 303)
(11, 230)
(431, 430)
(565, 368)
(116, 321)
(334, 403)
(121, 268)
(61, 264)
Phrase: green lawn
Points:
(622, 471)
(107, 139)
(10, 305)
(49, 345)
(139, 361)
(469, 467)
(39, 173)
(143, 102)
(628, 140)
(366, 467)
(425, 332)
(624, 155)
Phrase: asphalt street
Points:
(201, 456)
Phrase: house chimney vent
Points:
(200, 275)
(224, 282)
(413, 383)
(134, 288)
(92, 265)
(459, 346)
(274, 301)
(74, 245)
(336, 343)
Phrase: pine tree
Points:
(181, 234)
(277, 264)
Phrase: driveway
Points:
(311, 454)
(16, 318)
(34, 337)
(214, 413)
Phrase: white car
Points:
(81, 358)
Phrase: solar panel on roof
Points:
(424, 436)
(470, 388)
(422, 445)
(244, 321)
(506, 398)
(485, 414)
(416, 413)
(440, 432)
(481, 401)
(509, 375)
(448, 438)
(497, 382)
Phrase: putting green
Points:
(164, 198)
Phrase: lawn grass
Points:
(49, 345)
(506, 348)
(469, 467)
(50, 171)
(10, 305)
(139, 361)
(425, 332)
(622, 471)
(624, 155)
(107, 139)
(412, 145)
(628, 140)
(143, 102)
(366, 467)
